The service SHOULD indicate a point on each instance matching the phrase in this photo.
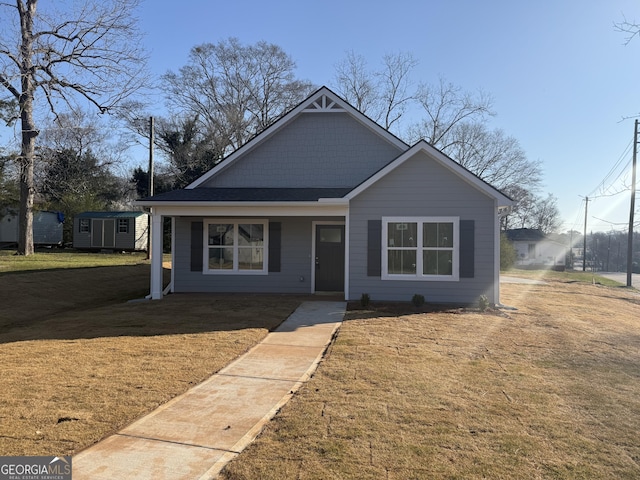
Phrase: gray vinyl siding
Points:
(314, 151)
(295, 264)
(81, 240)
(126, 241)
(420, 187)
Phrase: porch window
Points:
(235, 246)
(420, 248)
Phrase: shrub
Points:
(507, 253)
(418, 300)
(364, 300)
(483, 303)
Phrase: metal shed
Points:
(110, 231)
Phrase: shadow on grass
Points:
(72, 304)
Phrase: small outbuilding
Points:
(47, 228)
(110, 230)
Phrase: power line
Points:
(601, 185)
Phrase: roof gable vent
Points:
(324, 104)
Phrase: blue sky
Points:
(560, 75)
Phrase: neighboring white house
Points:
(534, 249)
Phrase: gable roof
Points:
(441, 159)
(322, 101)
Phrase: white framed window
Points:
(123, 225)
(420, 248)
(235, 246)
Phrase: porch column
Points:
(156, 256)
(496, 257)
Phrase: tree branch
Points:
(5, 83)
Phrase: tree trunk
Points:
(25, 236)
(29, 132)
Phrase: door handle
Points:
(317, 262)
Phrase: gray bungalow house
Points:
(326, 200)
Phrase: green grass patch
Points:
(62, 259)
(568, 276)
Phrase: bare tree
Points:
(395, 86)
(383, 94)
(64, 58)
(493, 156)
(546, 216)
(532, 211)
(455, 122)
(80, 132)
(356, 84)
(445, 106)
(630, 28)
(235, 90)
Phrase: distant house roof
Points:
(525, 235)
(249, 195)
(110, 214)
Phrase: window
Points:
(235, 246)
(123, 225)
(84, 225)
(420, 248)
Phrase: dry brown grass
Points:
(551, 390)
(78, 363)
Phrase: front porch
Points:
(239, 250)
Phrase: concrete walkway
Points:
(194, 435)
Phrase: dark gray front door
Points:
(329, 258)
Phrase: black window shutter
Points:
(275, 239)
(196, 246)
(374, 246)
(467, 248)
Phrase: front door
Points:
(329, 266)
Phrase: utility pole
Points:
(584, 236)
(150, 184)
(633, 207)
(608, 252)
